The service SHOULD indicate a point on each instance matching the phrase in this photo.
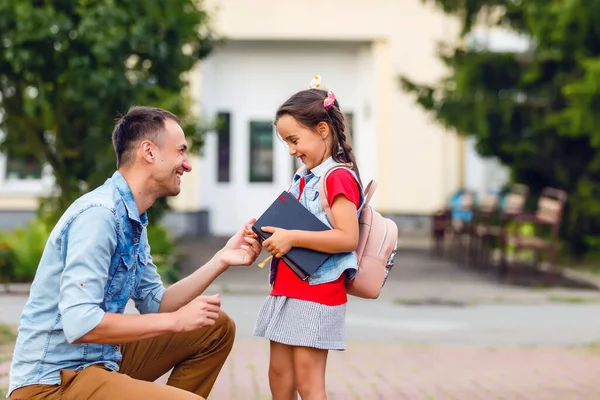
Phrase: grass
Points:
(590, 263)
(431, 302)
(573, 299)
(593, 348)
(494, 300)
(8, 334)
(5, 357)
(460, 303)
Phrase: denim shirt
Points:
(96, 258)
(335, 265)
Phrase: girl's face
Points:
(312, 147)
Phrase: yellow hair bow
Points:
(315, 83)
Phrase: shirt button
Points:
(135, 240)
(116, 348)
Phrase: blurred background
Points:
(478, 120)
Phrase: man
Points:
(74, 341)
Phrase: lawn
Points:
(8, 334)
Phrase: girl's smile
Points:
(309, 146)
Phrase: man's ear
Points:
(323, 129)
(148, 150)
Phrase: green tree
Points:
(535, 110)
(69, 68)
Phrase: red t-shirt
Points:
(287, 283)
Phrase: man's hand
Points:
(280, 242)
(241, 249)
(200, 312)
(248, 232)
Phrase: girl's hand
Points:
(280, 242)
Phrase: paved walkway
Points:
(415, 277)
(410, 372)
(399, 372)
(371, 370)
(396, 371)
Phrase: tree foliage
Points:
(70, 68)
(535, 110)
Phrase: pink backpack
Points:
(377, 243)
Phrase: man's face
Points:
(171, 160)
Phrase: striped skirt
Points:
(302, 323)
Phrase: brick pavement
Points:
(400, 371)
(417, 372)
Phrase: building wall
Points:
(250, 79)
(416, 163)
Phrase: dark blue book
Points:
(286, 212)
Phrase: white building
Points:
(273, 49)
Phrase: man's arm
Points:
(182, 292)
(239, 250)
(118, 328)
(87, 247)
(151, 296)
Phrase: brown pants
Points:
(196, 358)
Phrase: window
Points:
(224, 146)
(24, 174)
(23, 167)
(261, 151)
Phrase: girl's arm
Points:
(343, 238)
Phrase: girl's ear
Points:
(323, 129)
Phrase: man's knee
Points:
(225, 326)
(222, 333)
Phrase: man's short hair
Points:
(140, 123)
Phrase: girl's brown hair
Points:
(308, 109)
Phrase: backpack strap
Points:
(323, 189)
(369, 191)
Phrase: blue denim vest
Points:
(339, 263)
(96, 258)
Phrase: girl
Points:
(305, 319)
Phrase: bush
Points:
(6, 269)
(164, 254)
(21, 250)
